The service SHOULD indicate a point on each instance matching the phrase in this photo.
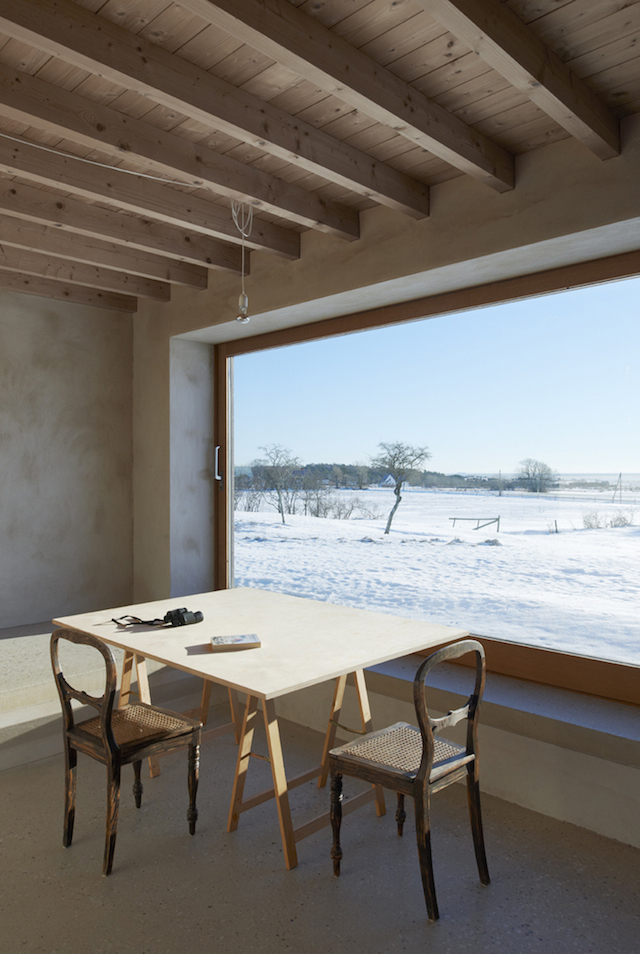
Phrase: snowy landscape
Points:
(561, 572)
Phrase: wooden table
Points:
(304, 643)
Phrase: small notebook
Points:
(226, 644)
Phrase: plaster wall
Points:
(192, 468)
(152, 471)
(65, 459)
(567, 207)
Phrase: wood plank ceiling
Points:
(128, 126)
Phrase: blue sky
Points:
(554, 378)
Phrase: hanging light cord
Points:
(242, 213)
(243, 220)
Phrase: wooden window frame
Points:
(610, 680)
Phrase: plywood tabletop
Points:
(304, 641)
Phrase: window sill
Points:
(586, 724)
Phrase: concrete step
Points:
(25, 664)
(30, 714)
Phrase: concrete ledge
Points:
(571, 757)
(34, 732)
(571, 720)
(27, 678)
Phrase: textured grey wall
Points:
(65, 459)
(192, 467)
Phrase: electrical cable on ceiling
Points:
(242, 214)
(102, 165)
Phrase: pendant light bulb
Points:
(243, 307)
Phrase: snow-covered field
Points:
(575, 589)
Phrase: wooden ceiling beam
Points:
(141, 196)
(73, 215)
(48, 240)
(301, 43)
(46, 288)
(508, 45)
(44, 266)
(84, 39)
(28, 99)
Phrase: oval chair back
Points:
(430, 727)
(117, 737)
(415, 761)
(104, 703)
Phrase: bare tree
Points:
(315, 495)
(279, 474)
(536, 475)
(362, 474)
(248, 491)
(400, 461)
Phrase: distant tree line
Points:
(362, 476)
(283, 482)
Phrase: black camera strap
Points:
(133, 620)
(175, 617)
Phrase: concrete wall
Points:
(65, 459)
(151, 454)
(192, 467)
(567, 207)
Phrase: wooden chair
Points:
(116, 737)
(412, 761)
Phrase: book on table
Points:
(226, 644)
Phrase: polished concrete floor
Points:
(555, 888)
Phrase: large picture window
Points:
(529, 413)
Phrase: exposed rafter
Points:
(73, 215)
(497, 34)
(127, 130)
(44, 266)
(138, 195)
(283, 32)
(64, 291)
(63, 29)
(28, 99)
(52, 241)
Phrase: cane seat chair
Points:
(414, 761)
(117, 737)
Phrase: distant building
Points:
(389, 481)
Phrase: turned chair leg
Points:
(473, 793)
(71, 761)
(423, 833)
(336, 820)
(194, 775)
(401, 815)
(137, 784)
(113, 802)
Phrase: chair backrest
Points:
(470, 711)
(104, 703)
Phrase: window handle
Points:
(216, 466)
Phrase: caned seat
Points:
(413, 761)
(117, 737)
